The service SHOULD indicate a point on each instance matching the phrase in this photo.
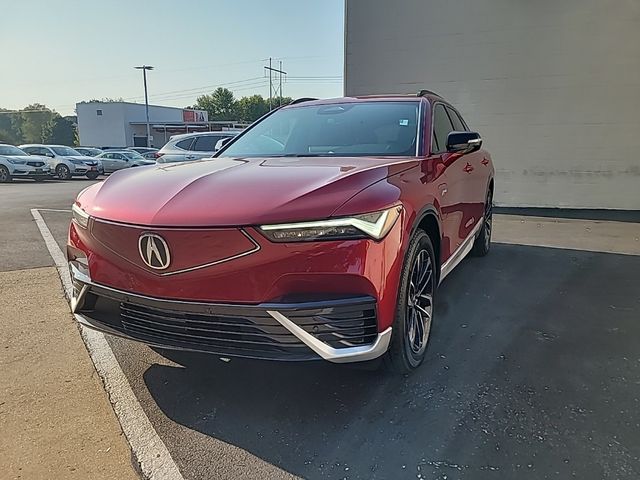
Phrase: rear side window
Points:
(185, 144)
(441, 129)
(206, 143)
(458, 126)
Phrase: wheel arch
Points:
(428, 221)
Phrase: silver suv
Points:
(65, 162)
(192, 146)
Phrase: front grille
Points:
(35, 164)
(238, 330)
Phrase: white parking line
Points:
(52, 210)
(151, 453)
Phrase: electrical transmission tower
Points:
(275, 83)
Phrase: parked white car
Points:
(192, 146)
(15, 163)
(113, 160)
(66, 162)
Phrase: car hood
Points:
(227, 191)
(21, 158)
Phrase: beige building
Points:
(553, 86)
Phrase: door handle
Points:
(485, 161)
(468, 168)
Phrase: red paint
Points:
(198, 208)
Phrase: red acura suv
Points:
(320, 232)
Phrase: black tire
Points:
(404, 354)
(5, 176)
(482, 243)
(63, 172)
(92, 175)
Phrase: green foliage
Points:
(35, 124)
(104, 100)
(33, 120)
(59, 130)
(251, 108)
(221, 105)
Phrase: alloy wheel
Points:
(488, 220)
(4, 174)
(420, 302)
(63, 172)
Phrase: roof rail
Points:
(301, 100)
(423, 93)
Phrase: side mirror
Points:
(222, 142)
(48, 154)
(463, 142)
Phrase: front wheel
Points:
(92, 175)
(5, 176)
(414, 313)
(482, 243)
(63, 172)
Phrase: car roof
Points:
(120, 150)
(43, 145)
(199, 134)
(394, 97)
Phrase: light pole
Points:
(144, 69)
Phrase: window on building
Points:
(99, 112)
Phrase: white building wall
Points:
(553, 86)
(101, 130)
(113, 127)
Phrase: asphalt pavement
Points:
(533, 372)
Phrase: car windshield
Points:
(11, 150)
(65, 151)
(133, 155)
(377, 128)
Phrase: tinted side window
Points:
(455, 120)
(184, 144)
(441, 128)
(206, 143)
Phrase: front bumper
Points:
(338, 330)
(21, 172)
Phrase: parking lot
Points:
(533, 371)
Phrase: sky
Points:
(59, 52)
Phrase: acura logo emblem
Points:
(154, 251)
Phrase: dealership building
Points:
(123, 124)
(553, 87)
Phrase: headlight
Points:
(369, 225)
(77, 162)
(16, 162)
(80, 216)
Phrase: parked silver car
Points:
(88, 151)
(192, 146)
(15, 163)
(113, 160)
(65, 162)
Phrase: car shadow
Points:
(531, 372)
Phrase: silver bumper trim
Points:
(336, 355)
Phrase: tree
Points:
(33, 120)
(59, 130)
(249, 109)
(220, 104)
(10, 127)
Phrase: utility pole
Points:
(144, 69)
(276, 90)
